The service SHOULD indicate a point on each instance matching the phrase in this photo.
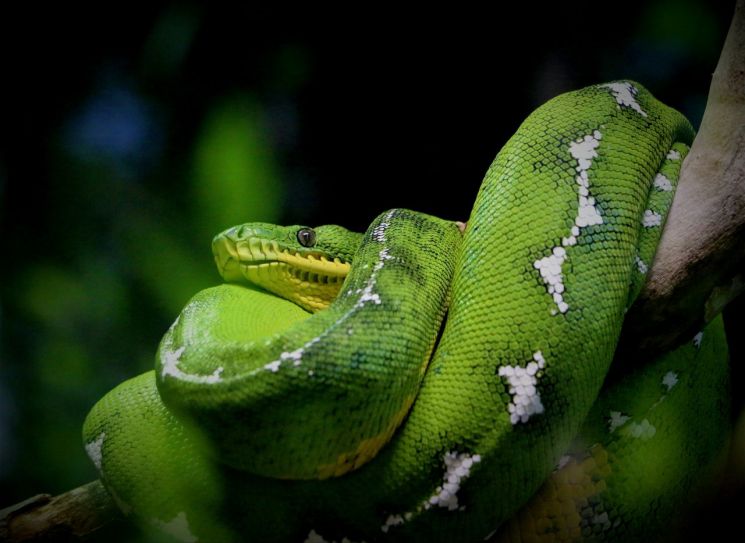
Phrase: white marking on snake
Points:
(93, 449)
(457, 469)
(662, 183)
(273, 366)
(642, 430)
(367, 294)
(296, 356)
(602, 520)
(583, 150)
(315, 537)
(563, 461)
(697, 339)
(378, 233)
(170, 359)
(392, 520)
(526, 400)
(651, 219)
(641, 265)
(178, 527)
(670, 380)
(625, 95)
(673, 155)
(616, 420)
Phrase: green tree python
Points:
(323, 395)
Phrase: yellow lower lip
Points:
(302, 275)
(233, 257)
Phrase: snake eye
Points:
(306, 237)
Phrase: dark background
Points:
(131, 135)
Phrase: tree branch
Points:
(700, 262)
(698, 269)
(66, 517)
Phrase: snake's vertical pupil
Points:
(306, 237)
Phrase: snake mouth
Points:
(309, 278)
(234, 258)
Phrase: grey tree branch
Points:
(66, 517)
(700, 266)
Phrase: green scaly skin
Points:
(250, 391)
(293, 393)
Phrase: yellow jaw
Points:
(308, 279)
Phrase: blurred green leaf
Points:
(54, 296)
(62, 364)
(235, 176)
(74, 298)
(167, 266)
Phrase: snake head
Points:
(304, 265)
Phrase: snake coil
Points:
(263, 423)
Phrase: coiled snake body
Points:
(263, 423)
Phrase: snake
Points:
(432, 380)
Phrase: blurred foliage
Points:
(232, 148)
(130, 141)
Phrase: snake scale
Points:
(434, 381)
